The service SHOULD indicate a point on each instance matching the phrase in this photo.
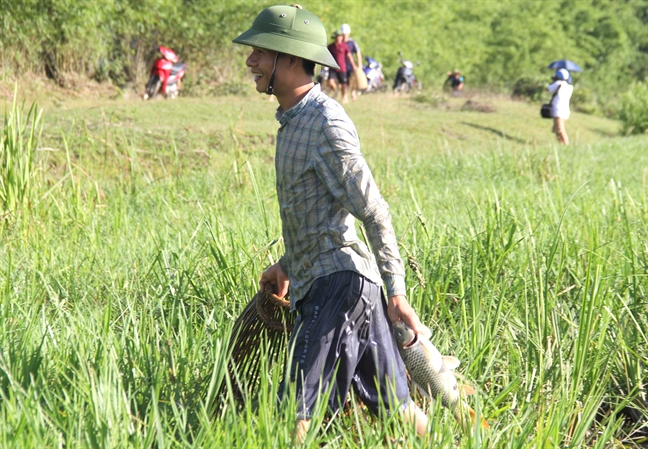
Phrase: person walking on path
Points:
(354, 48)
(562, 90)
(341, 53)
(335, 282)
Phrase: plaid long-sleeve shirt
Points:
(323, 182)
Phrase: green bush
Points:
(634, 110)
(583, 100)
(430, 98)
(494, 44)
(529, 88)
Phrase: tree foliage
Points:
(493, 43)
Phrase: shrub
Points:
(583, 100)
(634, 110)
(431, 98)
(529, 88)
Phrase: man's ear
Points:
(294, 61)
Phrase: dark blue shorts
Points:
(340, 77)
(343, 337)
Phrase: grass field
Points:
(136, 234)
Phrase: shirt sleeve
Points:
(345, 172)
(284, 265)
(553, 86)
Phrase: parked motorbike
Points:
(323, 75)
(166, 75)
(375, 77)
(405, 79)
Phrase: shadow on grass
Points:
(495, 131)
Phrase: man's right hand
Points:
(275, 280)
(399, 309)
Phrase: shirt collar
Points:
(284, 117)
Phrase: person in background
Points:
(343, 335)
(562, 90)
(354, 48)
(456, 81)
(340, 51)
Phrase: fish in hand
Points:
(433, 373)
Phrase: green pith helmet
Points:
(290, 30)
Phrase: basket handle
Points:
(281, 302)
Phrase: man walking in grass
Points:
(343, 336)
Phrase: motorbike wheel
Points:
(153, 87)
(402, 87)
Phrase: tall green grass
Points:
(18, 145)
(119, 289)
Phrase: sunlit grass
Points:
(120, 283)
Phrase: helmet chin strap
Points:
(270, 89)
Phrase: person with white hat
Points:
(562, 90)
(355, 83)
(323, 184)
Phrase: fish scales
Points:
(432, 372)
(426, 367)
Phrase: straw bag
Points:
(361, 78)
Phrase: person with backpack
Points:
(562, 90)
(323, 185)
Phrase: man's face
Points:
(261, 63)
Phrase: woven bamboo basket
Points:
(266, 323)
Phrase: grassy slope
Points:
(374, 115)
(147, 237)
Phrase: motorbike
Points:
(405, 79)
(322, 78)
(323, 75)
(166, 75)
(375, 77)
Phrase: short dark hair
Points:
(309, 67)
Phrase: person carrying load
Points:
(323, 185)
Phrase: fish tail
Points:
(473, 418)
(467, 425)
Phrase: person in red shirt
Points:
(340, 50)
